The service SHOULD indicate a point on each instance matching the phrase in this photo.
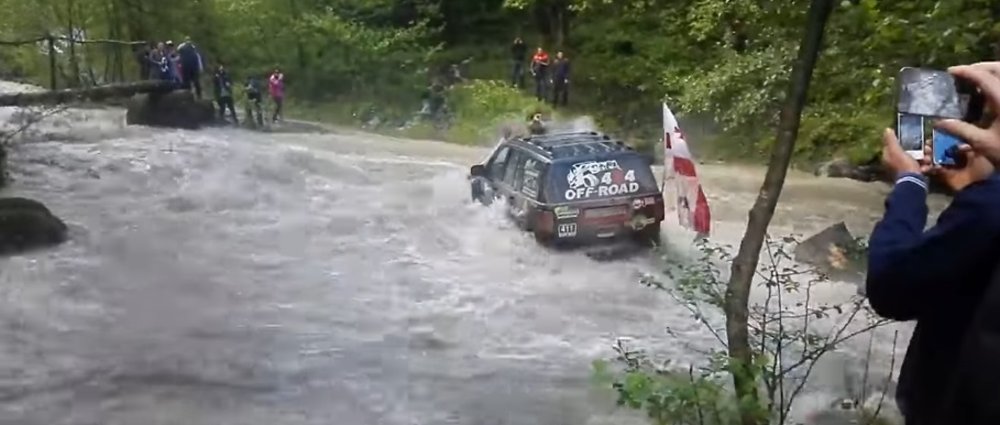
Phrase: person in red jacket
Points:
(540, 70)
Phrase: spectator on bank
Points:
(276, 87)
(191, 66)
(223, 87)
(142, 56)
(560, 80)
(519, 54)
(173, 62)
(254, 111)
(540, 70)
(944, 278)
(162, 65)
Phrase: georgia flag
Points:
(678, 166)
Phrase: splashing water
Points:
(228, 276)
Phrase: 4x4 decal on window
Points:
(600, 178)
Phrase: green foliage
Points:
(328, 50)
(728, 60)
(483, 106)
(667, 396)
(786, 342)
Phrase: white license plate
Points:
(567, 230)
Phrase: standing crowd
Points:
(551, 76)
(183, 65)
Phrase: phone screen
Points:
(910, 131)
(929, 93)
(945, 147)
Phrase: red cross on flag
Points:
(678, 168)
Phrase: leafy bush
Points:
(481, 106)
(829, 133)
(786, 343)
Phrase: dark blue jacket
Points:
(222, 84)
(190, 56)
(561, 72)
(936, 277)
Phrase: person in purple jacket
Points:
(276, 88)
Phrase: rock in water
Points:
(27, 224)
(832, 251)
(842, 168)
(176, 109)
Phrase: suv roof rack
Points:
(576, 143)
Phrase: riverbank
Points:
(481, 108)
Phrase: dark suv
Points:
(573, 187)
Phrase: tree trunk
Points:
(557, 24)
(71, 33)
(89, 94)
(745, 263)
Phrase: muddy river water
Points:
(233, 277)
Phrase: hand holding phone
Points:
(910, 132)
(926, 95)
(982, 135)
(946, 150)
(894, 158)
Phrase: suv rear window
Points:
(621, 175)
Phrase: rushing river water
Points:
(233, 277)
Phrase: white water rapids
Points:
(225, 276)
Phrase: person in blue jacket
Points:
(938, 277)
(560, 80)
(191, 66)
(223, 88)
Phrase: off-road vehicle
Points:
(580, 187)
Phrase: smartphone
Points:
(910, 132)
(938, 94)
(946, 149)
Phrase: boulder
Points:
(27, 224)
(833, 251)
(842, 168)
(175, 109)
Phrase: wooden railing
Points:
(118, 66)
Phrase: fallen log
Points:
(93, 94)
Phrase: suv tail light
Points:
(650, 206)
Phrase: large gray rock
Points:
(27, 224)
(842, 168)
(175, 109)
(833, 251)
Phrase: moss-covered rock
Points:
(28, 224)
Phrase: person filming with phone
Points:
(943, 278)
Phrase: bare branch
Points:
(888, 379)
(31, 117)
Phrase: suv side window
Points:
(499, 163)
(531, 178)
(514, 168)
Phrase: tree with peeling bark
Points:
(745, 263)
